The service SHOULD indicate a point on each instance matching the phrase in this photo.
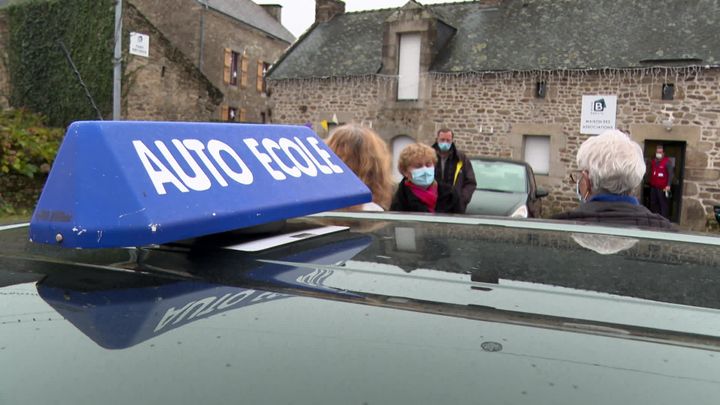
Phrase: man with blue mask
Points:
(453, 169)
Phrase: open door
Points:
(675, 150)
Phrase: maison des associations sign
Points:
(598, 114)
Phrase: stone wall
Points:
(178, 20)
(223, 33)
(181, 22)
(166, 85)
(492, 113)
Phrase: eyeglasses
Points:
(574, 176)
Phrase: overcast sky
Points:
(298, 15)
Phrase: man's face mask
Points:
(423, 176)
(582, 197)
(444, 146)
(659, 155)
(577, 191)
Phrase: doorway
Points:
(675, 150)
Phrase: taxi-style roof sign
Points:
(123, 183)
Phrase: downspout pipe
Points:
(117, 61)
(202, 34)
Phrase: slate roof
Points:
(521, 35)
(251, 14)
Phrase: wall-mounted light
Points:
(668, 124)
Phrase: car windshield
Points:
(499, 176)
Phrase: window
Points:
(668, 91)
(262, 69)
(409, 67)
(537, 153)
(540, 90)
(229, 114)
(498, 175)
(230, 74)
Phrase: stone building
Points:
(166, 85)
(206, 59)
(521, 79)
(224, 47)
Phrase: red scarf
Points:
(427, 196)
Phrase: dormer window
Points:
(409, 67)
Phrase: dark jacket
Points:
(448, 200)
(617, 213)
(464, 183)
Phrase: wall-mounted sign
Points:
(598, 114)
(139, 44)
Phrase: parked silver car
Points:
(505, 188)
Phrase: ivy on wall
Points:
(41, 77)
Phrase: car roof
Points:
(547, 252)
(497, 159)
(378, 297)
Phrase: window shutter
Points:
(244, 67)
(242, 115)
(228, 63)
(260, 76)
(224, 113)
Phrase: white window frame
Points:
(536, 152)
(409, 67)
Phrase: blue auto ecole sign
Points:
(123, 183)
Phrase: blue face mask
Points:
(444, 146)
(577, 191)
(423, 176)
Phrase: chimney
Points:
(275, 10)
(325, 10)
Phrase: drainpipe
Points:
(117, 60)
(202, 34)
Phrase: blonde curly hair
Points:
(368, 156)
(415, 153)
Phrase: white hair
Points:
(614, 162)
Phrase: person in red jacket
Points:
(661, 173)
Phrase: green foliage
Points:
(27, 149)
(41, 76)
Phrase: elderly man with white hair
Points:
(611, 167)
